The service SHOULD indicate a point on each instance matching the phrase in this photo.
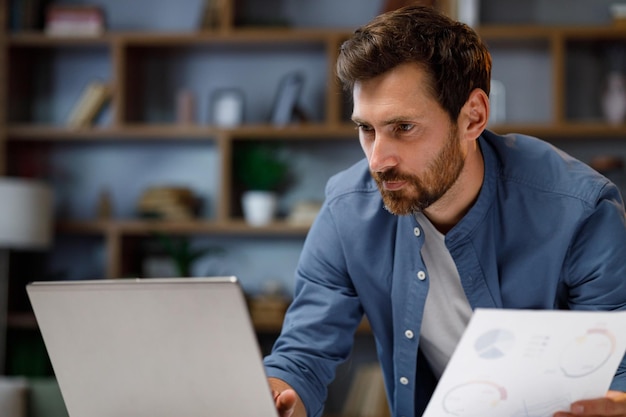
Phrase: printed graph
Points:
(494, 344)
(474, 399)
(587, 353)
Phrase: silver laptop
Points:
(181, 347)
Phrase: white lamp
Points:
(26, 208)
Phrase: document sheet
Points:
(523, 363)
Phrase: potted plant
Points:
(262, 170)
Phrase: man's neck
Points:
(450, 209)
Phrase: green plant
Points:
(182, 253)
(261, 167)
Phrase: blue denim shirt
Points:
(546, 232)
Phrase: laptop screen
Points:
(156, 347)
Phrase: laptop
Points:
(183, 347)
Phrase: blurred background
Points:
(149, 122)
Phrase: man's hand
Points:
(614, 404)
(287, 401)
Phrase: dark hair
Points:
(454, 57)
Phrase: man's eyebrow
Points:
(399, 119)
(394, 120)
(358, 121)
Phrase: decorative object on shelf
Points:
(168, 203)
(26, 216)
(268, 307)
(180, 256)
(304, 213)
(286, 106)
(76, 20)
(497, 103)
(227, 106)
(263, 171)
(618, 13)
(267, 311)
(468, 12)
(185, 107)
(212, 16)
(614, 98)
(104, 206)
(259, 207)
(91, 102)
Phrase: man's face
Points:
(414, 152)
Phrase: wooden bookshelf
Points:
(21, 131)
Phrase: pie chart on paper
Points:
(474, 399)
(587, 353)
(494, 344)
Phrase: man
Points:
(442, 217)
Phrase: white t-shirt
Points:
(447, 310)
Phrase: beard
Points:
(421, 192)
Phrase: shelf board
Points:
(39, 39)
(39, 132)
(139, 131)
(537, 32)
(571, 130)
(261, 324)
(21, 320)
(249, 36)
(192, 227)
(242, 36)
(343, 131)
(27, 321)
(282, 36)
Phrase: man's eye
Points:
(405, 127)
(364, 128)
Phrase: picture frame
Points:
(287, 97)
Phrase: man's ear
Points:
(474, 115)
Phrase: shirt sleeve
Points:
(318, 331)
(596, 270)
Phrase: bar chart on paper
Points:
(522, 363)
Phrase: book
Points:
(26, 15)
(90, 104)
(63, 20)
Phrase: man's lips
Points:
(393, 185)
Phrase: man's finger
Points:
(614, 404)
(285, 402)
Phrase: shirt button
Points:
(409, 334)
(404, 380)
(421, 275)
(417, 232)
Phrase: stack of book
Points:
(64, 20)
(268, 310)
(168, 203)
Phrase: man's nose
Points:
(383, 154)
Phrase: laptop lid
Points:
(180, 347)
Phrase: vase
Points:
(614, 98)
(259, 207)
